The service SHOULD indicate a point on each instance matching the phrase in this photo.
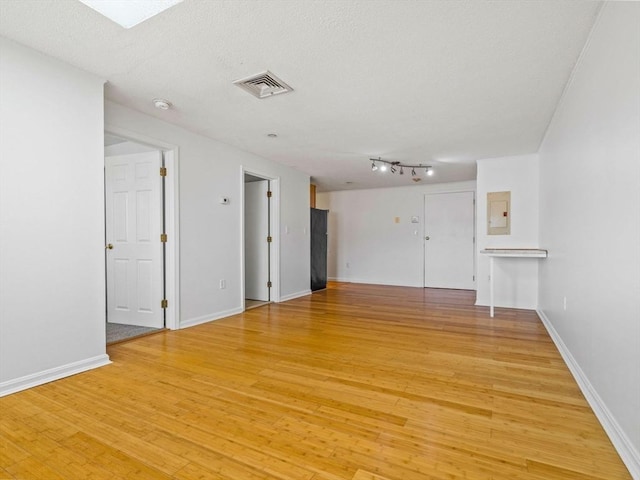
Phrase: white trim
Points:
(339, 279)
(172, 219)
(291, 296)
(369, 281)
(630, 456)
(172, 212)
(46, 376)
(483, 302)
(192, 322)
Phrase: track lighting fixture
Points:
(394, 165)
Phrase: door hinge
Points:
(163, 237)
(163, 171)
(164, 303)
(269, 239)
(269, 193)
(269, 284)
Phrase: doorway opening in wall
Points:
(136, 237)
(259, 228)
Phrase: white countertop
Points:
(515, 252)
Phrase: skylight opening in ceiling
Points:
(129, 13)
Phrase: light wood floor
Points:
(357, 382)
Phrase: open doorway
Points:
(135, 239)
(260, 238)
(257, 241)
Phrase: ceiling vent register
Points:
(263, 85)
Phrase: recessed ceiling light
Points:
(161, 103)
(129, 13)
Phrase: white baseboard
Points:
(484, 302)
(291, 296)
(46, 376)
(369, 281)
(630, 456)
(339, 279)
(192, 322)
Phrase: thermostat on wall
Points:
(224, 200)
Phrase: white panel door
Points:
(256, 248)
(449, 249)
(133, 212)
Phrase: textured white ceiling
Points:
(434, 82)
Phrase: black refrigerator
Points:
(318, 249)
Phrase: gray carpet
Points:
(117, 332)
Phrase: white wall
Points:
(127, 148)
(52, 293)
(590, 222)
(364, 235)
(295, 240)
(515, 279)
(210, 233)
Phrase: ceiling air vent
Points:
(263, 85)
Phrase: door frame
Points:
(274, 228)
(424, 234)
(172, 220)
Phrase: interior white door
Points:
(449, 249)
(133, 199)
(256, 248)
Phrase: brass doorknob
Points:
(109, 246)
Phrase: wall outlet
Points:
(223, 284)
(564, 303)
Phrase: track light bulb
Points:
(374, 167)
(413, 172)
(393, 169)
(401, 171)
(429, 171)
(383, 168)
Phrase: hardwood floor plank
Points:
(357, 382)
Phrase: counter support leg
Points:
(491, 286)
